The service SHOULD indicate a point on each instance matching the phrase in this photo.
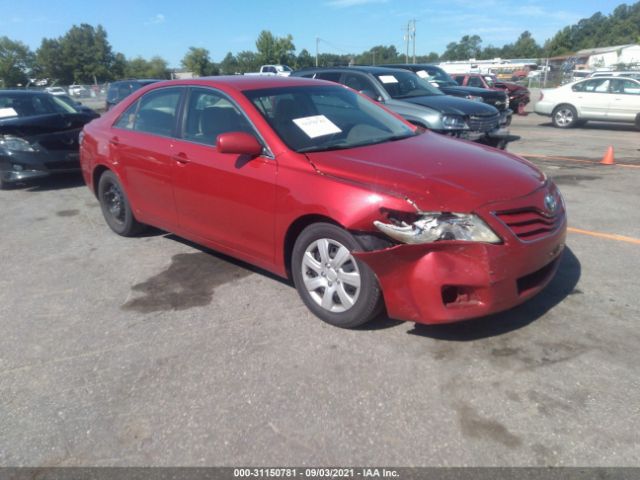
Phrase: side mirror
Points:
(240, 143)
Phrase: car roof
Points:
(375, 70)
(246, 82)
(24, 93)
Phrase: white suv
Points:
(608, 99)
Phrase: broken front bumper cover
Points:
(449, 281)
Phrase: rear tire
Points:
(115, 206)
(564, 116)
(333, 284)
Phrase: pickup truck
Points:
(278, 70)
(519, 96)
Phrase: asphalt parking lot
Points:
(152, 351)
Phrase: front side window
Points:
(323, 118)
(209, 113)
(154, 113)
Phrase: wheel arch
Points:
(295, 229)
(95, 177)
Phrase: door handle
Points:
(181, 158)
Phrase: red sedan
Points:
(312, 181)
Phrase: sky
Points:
(168, 27)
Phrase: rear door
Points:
(592, 98)
(142, 145)
(625, 100)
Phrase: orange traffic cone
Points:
(608, 157)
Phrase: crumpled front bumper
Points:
(17, 166)
(450, 281)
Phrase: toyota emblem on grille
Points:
(550, 203)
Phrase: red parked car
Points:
(519, 96)
(315, 182)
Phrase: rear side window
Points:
(154, 113)
(459, 79)
(626, 87)
(599, 85)
(330, 76)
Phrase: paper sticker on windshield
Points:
(388, 79)
(422, 74)
(316, 126)
(8, 112)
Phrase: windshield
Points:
(21, 105)
(436, 75)
(320, 118)
(405, 84)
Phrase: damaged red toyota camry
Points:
(315, 182)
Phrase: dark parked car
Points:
(519, 96)
(420, 102)
(119, 90)
(314, 182)
(442, 80)
(78, 105)
(38, 135)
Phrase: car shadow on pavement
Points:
(618, 127)
(54, 182)
(563, 284)
(234, 261)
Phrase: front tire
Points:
(564, 116)
(115, 206)
(333, 284)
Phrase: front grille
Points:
(530, 223)
(536, 279)
(483, 124)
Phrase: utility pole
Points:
(406, 36)
(413, 38)
(317, 42)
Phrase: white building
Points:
(608, 57)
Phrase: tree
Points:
(16, 61)
(142, 68)
(468, 47)
(197, 60)
(229, 64)
(271, 49)
(247, 61)
(86, 55)
(304, 59)
(49, 60)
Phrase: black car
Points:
(442, 80)
(121, 89)
(38, 135)
(420, 103)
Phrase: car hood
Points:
(452, 105)
(512, 87)
(475, 91)
(43, 124)
(434, 171)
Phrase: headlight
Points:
(474, 98)
(16, 144)
(454, 122)
(434, 226)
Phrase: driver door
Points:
(227, 199)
